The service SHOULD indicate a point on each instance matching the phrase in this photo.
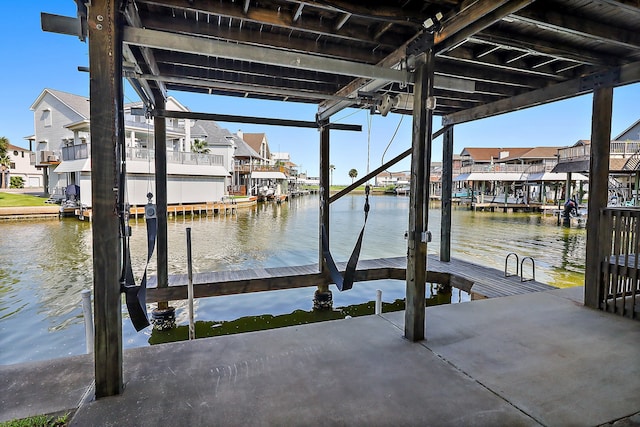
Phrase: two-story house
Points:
(63, 150)
(20, 166)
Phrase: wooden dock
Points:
(479, 281)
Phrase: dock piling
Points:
(87, 313)
(378, 302)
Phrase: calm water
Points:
(45, 264)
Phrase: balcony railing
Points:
(620, 265)
(545, 166)
(582, 152)
(83, 151)
(76, 152)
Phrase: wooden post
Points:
(164, 316)
(414, 323)
(598, 192)
(322, 298)
(107, 129)
(447, 189)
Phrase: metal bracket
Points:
(421, 44)
(598, 80)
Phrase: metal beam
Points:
(214, 48)
(629, 73)
(252, 120)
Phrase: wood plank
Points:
(469, 277)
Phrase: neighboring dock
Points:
(479, 281)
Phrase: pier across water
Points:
(479, 281)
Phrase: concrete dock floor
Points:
(534, 359)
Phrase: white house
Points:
(20, 166)
(63, 149)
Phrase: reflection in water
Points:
(45, 264)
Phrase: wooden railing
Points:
(620, 266)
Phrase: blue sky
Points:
(35, 60)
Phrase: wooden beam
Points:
(414, 323)
(215, 48)
(255, 120)
(160, 198)
(256, 90)
(133, 20)
(264, 16)
(329, 47)
(480, 15)
(445, 198)
(323, 220)
(494, 61)
(298, 13)
(555, 48)
(107, 131)
(629, 73)
(483, 74)
(341, 21)
(574, 24)
(598, 194)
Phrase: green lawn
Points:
(13, 200)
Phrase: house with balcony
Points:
(519, 175)
(624, 164)
(20, 166)
(267, 176)
(63, 150)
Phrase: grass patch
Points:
(38, 421)
(11, 200)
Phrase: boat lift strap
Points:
(136, 295)
(345, 283)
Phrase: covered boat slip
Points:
(460, 60)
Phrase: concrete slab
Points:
(44, 387)
(349, 372)
(530, 359)
(556, 360)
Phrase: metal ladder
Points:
(519, 267)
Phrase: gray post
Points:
(598, 192)
(447, 189)
(107, 129)
(414, 323)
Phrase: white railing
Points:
(545, 166)
(83, 151)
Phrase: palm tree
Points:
(5, 161)
(353, 174)
(331, 169)
(200, 146)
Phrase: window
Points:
(46, 117)
(15, 153)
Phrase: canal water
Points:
(45, 264)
